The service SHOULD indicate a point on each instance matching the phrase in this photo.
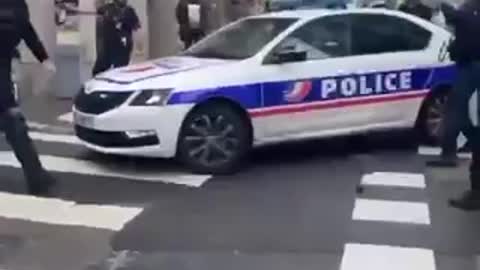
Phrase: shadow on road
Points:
(291, 152)
(335, 147)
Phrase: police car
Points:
(272, 78)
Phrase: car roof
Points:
(315, 13)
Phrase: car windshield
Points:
(240, 40)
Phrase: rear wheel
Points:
(431, 117)
(215, 139)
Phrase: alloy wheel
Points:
(211, 140)
(434, 116)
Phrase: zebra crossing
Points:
(380, 256)
(83, 213)
(64, 153)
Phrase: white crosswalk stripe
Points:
(436, 151)
(60, 212)
(379, 256)
(68, 162)
(55, 138)
(68, 117)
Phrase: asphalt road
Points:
(295, 206)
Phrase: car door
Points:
(302, 97)
(397, 63)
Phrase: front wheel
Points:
(214, 139)
(431, 117)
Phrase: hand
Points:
(50, 66)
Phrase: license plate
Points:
(84, 120)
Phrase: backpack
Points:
(13, 15)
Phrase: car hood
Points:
(157, 68)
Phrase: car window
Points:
(374, 34)
(240, 40)
(326, 37)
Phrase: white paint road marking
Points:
(36, 125)
(55, 138)
(68, 117)
(409, 180)
(40, 126)
(391, 211)
(70, 165)
(436, 151)
(374, 257)
(59, 212)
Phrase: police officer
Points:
(118, 22)
(417, 8)
(465, 51)
(192, 29)
(15, 26)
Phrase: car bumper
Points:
(132, 131)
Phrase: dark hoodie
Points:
(466, 23)
(15, 26)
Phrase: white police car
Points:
(272, 78)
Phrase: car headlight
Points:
(152, 97)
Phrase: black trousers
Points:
(190, 37)
(457, 118)
(112, 56)
(13, 125)
(475, 169)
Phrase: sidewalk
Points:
(47, 113)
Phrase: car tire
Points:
(430, 122)
(214, 139)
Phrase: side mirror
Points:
(288, 54)
(288, 57)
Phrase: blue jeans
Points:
(457, 116)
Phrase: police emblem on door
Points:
(298, 91)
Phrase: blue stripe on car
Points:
(270, 94)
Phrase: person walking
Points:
(458, 101)
(464, 50)
(15, 26)
(118, 21)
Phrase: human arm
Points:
(33, 42)
(29, 35)
(134, 20)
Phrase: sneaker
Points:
(443, 163)
(468, 201)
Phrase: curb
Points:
(39, 127)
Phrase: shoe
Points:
(465, 149)
(44, 187)
(469, 201)
(443, 163)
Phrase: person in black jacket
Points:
(118, 22)
(465, 51)
(15, 26)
